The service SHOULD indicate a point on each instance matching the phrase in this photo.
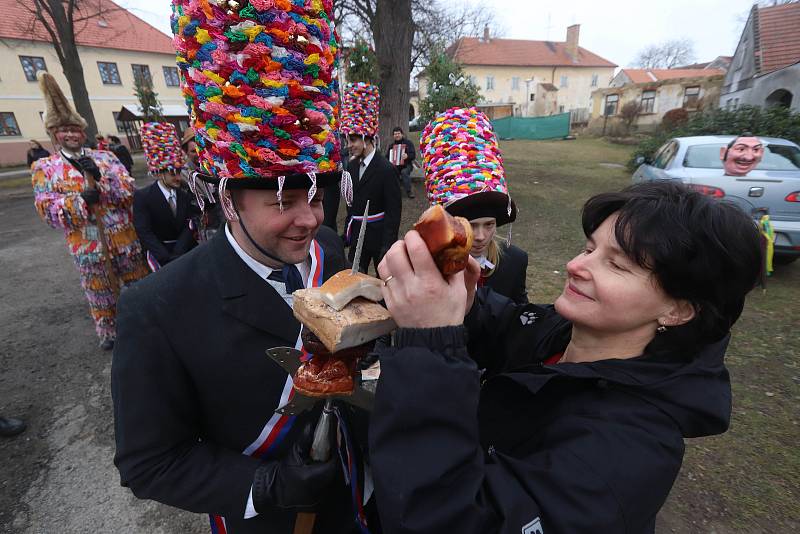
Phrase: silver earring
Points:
(661, 329)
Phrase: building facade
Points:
(531, 78)
(115, 48)
(656, 91)
(766, 66)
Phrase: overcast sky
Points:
(614, 30)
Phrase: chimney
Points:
(573, 36)
(486, 33)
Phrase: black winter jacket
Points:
(527, 447)
(509, 278)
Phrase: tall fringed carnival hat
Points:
(162, 150)
(259, 78)
(361, 108)
(59, 111)
(464, 168)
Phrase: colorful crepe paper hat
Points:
(259, 78)
(162, 150)
(464, 168)
(361, 108)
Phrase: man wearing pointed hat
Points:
(163, 213)
(88, 194)
(464, 172)
(195, 396)
(374, 178)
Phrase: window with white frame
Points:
(171, 76)
(109, 73)
(595, 79)
(648, 101)
(490, 83)
(515, 83)
(564, 81)
(31, 65)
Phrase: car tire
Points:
(784, 260)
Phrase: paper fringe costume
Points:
(57, 186)
(259, 78)
(464, 168)
(162, 150)
(361, 108)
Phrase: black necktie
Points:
(290, 277)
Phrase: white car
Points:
(772, 187)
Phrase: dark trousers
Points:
(405, 176)
(367, 256)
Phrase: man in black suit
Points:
(162, 216)
(195, 395)
(376, 180)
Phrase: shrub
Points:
(776, 121)
(674, 118)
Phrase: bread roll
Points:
(449, 239)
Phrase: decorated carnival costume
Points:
(164, 215)
(374, 178)
(58, 182)
(194, 393)
(464, 172)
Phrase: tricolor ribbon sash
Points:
(370, 219)
(278, 426)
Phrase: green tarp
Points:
(552, 127)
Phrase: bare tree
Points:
(666, 55)
(61, 21)
(433, 23)
(629, 113)
(393, 32)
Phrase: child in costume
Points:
(464, 172)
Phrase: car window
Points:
(665, 155)
(776, 157)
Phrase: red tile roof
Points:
(118, 28)
(520, 53)
(658, 75)
(779, 36)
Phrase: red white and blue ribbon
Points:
(279, 425)
(370, 219)
(152, 262)
(350, 466)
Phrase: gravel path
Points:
(58, 476)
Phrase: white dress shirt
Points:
(364, 164)
(263, 271)
(167, 192)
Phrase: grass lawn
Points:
(747, 480)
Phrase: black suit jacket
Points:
(509, 277)
(380, 186)
(192, 387)
(165, 236)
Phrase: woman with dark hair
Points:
(576, 423)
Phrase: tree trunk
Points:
(393, 32)
(67, 52)
(73, 70)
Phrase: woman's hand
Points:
(417, 294)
